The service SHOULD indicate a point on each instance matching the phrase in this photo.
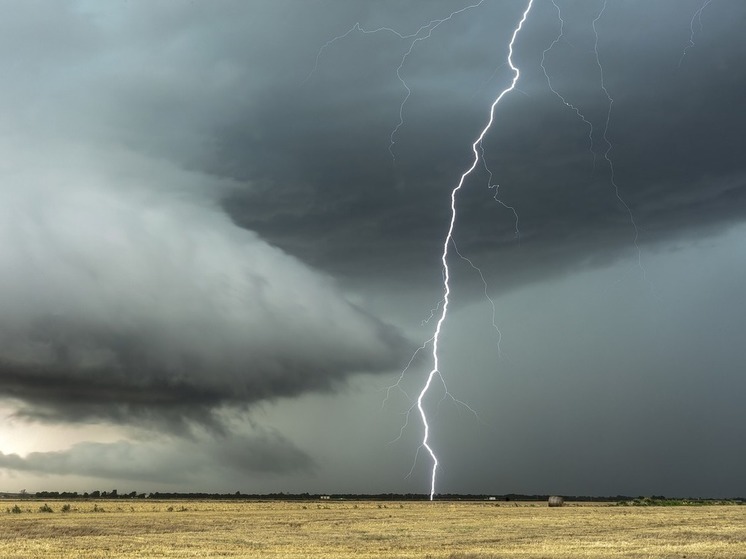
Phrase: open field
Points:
(346, 529)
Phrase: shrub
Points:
(45, 508)
(15, 510)
(66, 507)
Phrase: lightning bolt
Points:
(608, 145)
(569, 105)
(423, 33)
(607, 151)
(503, 204)
(441, 310)
(698, 17)
(358, 27)
(429, 30)
(478, 270)
(476, 145)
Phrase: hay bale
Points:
(556, 501)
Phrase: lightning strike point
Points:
(444, 257)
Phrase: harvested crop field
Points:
(347, 529)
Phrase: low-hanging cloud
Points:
(127, 295)
(179, 461)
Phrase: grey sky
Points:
(206, 244)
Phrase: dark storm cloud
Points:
(126, 293)
(185, 461)
(325, 186)
(224, 91)
(177, 184)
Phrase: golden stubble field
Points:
(347, 529)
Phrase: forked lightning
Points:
(475, 147)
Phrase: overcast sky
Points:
(220, 237)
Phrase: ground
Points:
(347, 529)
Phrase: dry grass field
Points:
(342, 529)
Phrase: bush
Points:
(66, 507)
(45, 508)
(15, 510)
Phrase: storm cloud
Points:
(200, 216)
(165, 462)
(677, 129)
(122, 297)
